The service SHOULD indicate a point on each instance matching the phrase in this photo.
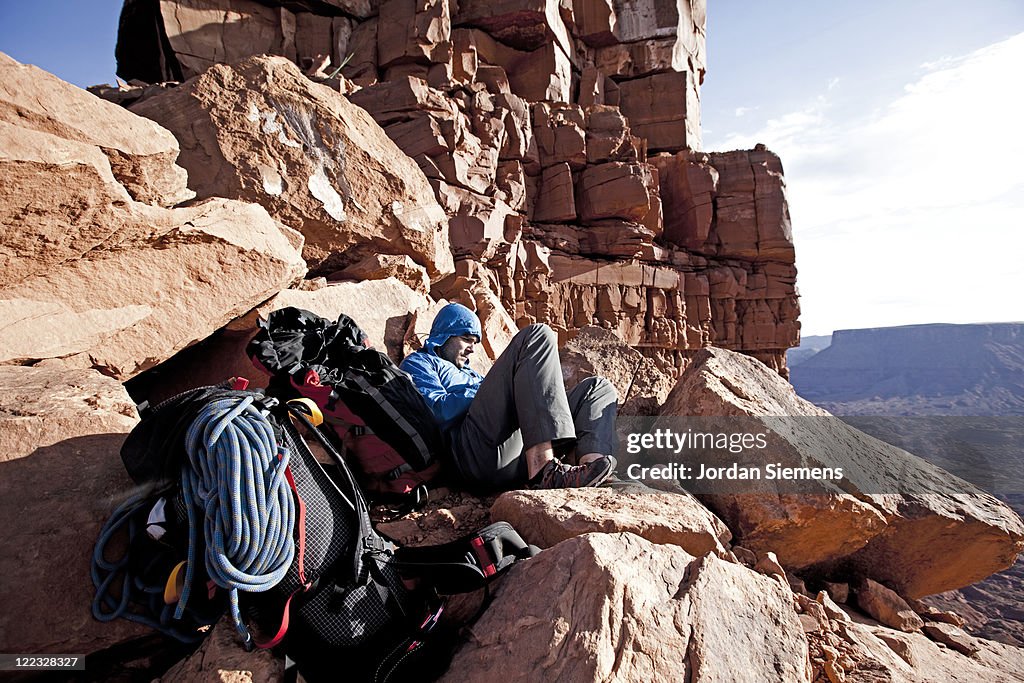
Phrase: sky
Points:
(899, 127)
(897, 122)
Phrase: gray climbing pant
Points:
(522, 402)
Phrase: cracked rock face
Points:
(260, 131)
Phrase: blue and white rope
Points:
(237, 479)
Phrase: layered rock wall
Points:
(562, 141)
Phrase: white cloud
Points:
(940, 63)
(914, 212)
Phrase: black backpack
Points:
(364, 396)
(339, 593)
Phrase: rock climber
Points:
(512, 427)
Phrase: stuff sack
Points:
(154, 451)
(382, 422)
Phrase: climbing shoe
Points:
(558, 475)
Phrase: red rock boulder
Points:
(60, 435)
(891, 516)
(260, 131)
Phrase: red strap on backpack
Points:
(283, 628)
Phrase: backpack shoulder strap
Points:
(396, 417)
(368, 541)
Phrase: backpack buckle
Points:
(399, 471)
(373, 544)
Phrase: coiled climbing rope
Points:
(237, 481)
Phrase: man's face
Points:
(458, 349)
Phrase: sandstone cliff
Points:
(561, 139)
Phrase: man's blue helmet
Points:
(453, 320)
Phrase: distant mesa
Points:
(809, 346)
(937, 369)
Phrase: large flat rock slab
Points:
(892, 516)
(546, 518)
(125, 309)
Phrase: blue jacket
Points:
(448, 389)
